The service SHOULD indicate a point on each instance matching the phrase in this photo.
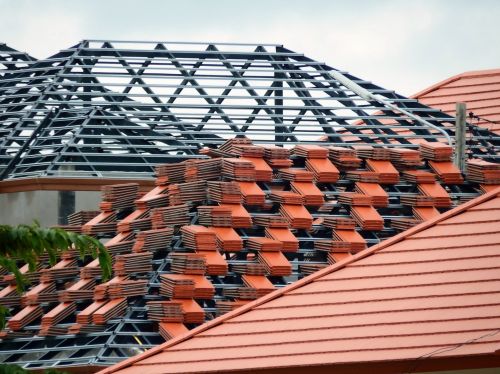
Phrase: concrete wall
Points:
(24, 207)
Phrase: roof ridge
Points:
(304, 281)
(475, 73)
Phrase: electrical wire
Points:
(419, 360)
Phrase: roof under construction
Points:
(116, 108)
(422, 301)
(269, 166)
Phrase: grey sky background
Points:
(405, 45)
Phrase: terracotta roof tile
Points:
(434, 287)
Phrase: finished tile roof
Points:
(480, 90)
(423, 300)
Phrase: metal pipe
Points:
(368, 96)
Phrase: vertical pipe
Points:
(460, 136)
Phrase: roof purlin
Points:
(396, 239)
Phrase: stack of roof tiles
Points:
(215, 233)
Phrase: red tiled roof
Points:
(429, 294)
(480, 90)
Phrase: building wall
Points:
(24, 207)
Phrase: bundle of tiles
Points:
(189, 192)
(27, 315)
(118, 196)
(224, 192)
(380, 198)
(263, 172)
(178, 286)
(229, 145)
(192, 311)
(121, 243)
(404, 158)
(153, 199)
(203, 169)
(324, 171)
(438, 193)
(238, 169)
(416, 200)
(273, 152)
(296, 174)
(364, 176)
(248, 150)
(198, 238)
(133, 263)
(344, 158)
(112, 309)
(81, 290)
(240, 218)
(353, 198)
(41, 293)
(153, 240)
(216, 264)
(310, 151)
(367, 218)
(436, 151)
(169, 330)
(374, 153)
(228, 239)
(56, 315)
(81, 217)
(63, 269)
(308, 269)
(138, 220)
(403, 224)
(258, 284)
(289, 242)
(419, 176)
(224, 307)
(91, 270)
(332, 245)
(339, 223)
(215, 216)
(447, 172)
(484, 172)
(334, 257)
(270, 220)
(264, 244)
(252, 194)
(188, 263)
(9, 296)
(53, 331)
(286, 197)
(84, 317)
(105, 222)
(165, 311)
(312, 195)
(170, 173)
(127, 288)
(177, 215)
(387, 172)
(425, 213)
(355, 240)
(297, 216)
(276, 263)
(250, 268)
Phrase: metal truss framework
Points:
(110, 108)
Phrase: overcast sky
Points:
(405, 45)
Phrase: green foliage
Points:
(14, 369)
(29, 242)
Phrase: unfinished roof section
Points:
(12, 60)
(480, 90)
(426, 299)
(104, 108)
